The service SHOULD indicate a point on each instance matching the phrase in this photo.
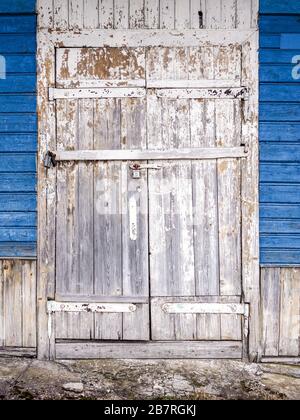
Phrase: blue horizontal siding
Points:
(17, 6)
(18, 142)
(279, 6)
(18, 249)
(18, 219)
(279, 133)
(18, 130)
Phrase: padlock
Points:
(136, 174)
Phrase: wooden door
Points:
(149, 189)
(101, 224)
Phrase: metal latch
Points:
(137, 168)
(50, 160)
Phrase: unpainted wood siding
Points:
(148, 14)
(280, 132)
(18, 128)
(280, 297)
(18, 304)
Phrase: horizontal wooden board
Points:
(283, 152)
(15, 250)
(18, 219)
(280, 6)
(160, 350)
(17, 24)
(280, 211)
(278, 73)
(17, 182)
(277, 56)
(280, 257)
(279, 172)
(20, 63)
(280, 112)
(279, 24)
(18, 43)
(279, 131)
(279, 92)
(17, 162)
(18, 123)
(18, 142)
(18, 83)
(280, 193)
(278, 241)
(176, 154)
(17, 202)
(280, 226)
(269, 41)
(17, 6)
(17, 103)
(289, 41)
(17, 234)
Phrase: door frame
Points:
(48, 41)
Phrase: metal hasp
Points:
(50, 160)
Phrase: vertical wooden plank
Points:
(106, 14)
(108, 218)
(213, 12)
(197, 7)
(46, 192)
(2, 325)
(182, 15)
(91, 14)
(152, 15)
(45, 14)
(29, 303)
(250, 199)
(228, 14)
(13, 304)
(228, 126)
(254, 14)
(136, 14)
(75, 15)
(121, 14)
(270, 298)
(167, 14)
(67, 277)
(244, 14)
(61, 15)
(289, 342)
(85, 198)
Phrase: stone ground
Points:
(122, 380)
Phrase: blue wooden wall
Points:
(279, 132)
(18, 129)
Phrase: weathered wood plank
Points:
(96, 93)
(106, 14)
(29, 282)
(152, 15)
(136, 14)
(171, 154)
(250, 199)
(160, 350)
(108, 217)
(167, 14)
(270, 296)
(45, 14)
(61, 15)
(76, 15)
(136, 38)
(91, 14)
(121, 14)
(182, 15)
(289, 340)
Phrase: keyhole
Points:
(200, 13)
